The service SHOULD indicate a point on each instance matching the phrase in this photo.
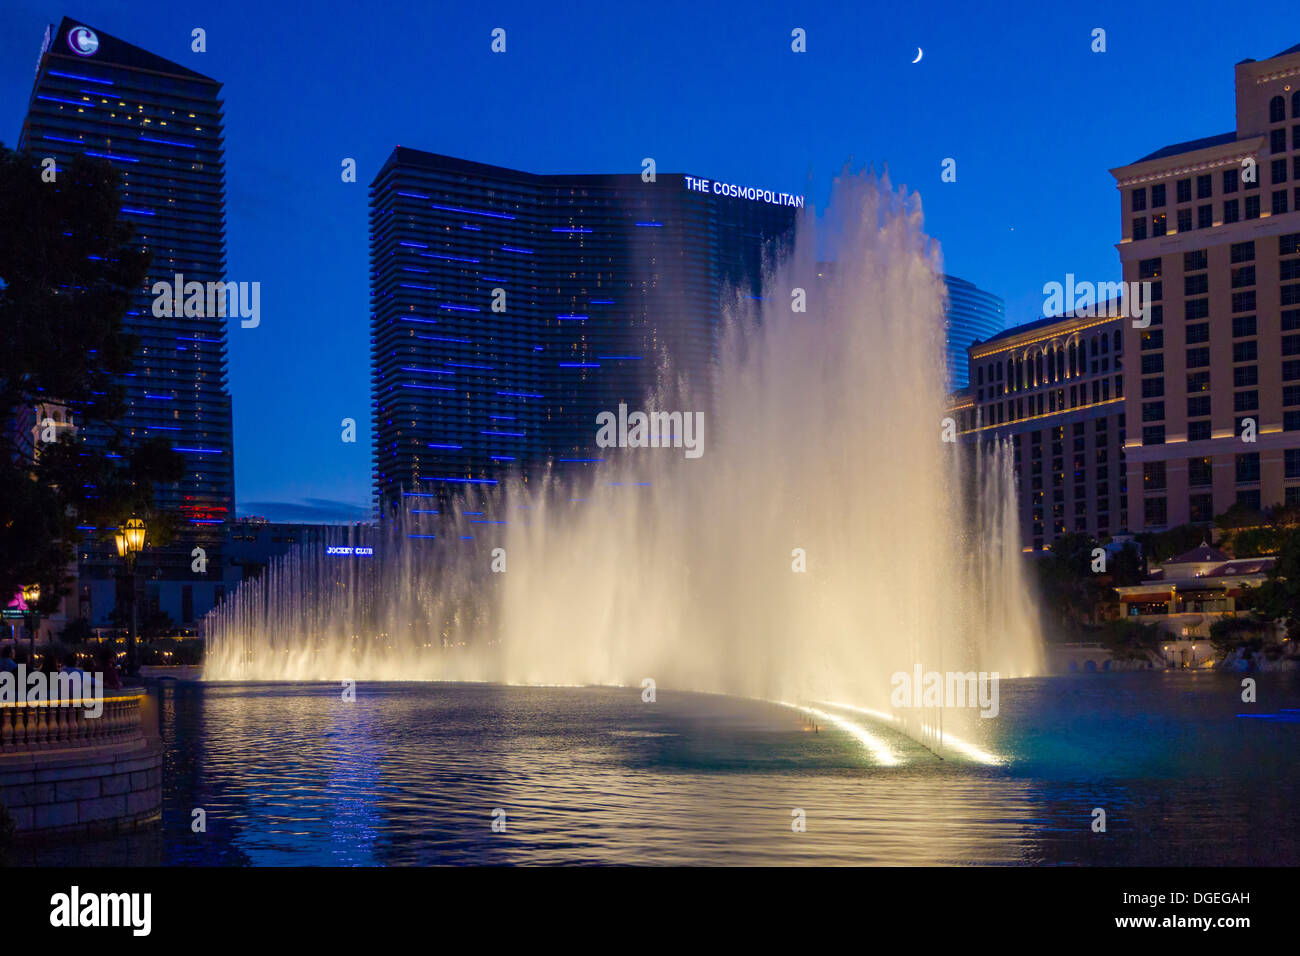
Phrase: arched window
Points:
(1276, 110)
(1295, 105)
(1119, 341)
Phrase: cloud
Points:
(317, 510)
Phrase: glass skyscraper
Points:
(509, 309)
(973, 316)
(160, 125)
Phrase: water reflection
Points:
(291, 774)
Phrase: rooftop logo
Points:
(82, 41)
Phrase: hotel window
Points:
(1157, 195)
(1150, 268)
(1252, 207)
(1245, 401)
(1194, 309)
(1243, 277)
(1244, 376)
(1295, 167)
(1295, 137)
(1292, 462)
(1279, 202)
(1198, 358)
(1153, 435)
(1231, 211)
(1277, 141)
(1196, 284)
(1295, 105)
(1242, 326)
(1198, 431)
(1153, 339)
(1247, 468)
(1277, 110)
(1291, 421)
(1153, 411)
(1183, 190)
(1159, 226)
(1290, 371)
(1290, 320)
(1289, 269)
(1152, 388)
(1243, 251)
(1138, 199)
(1291, 345)
(1245, 351)
(1200, 332)
(1230, 180)
(1200, 507)
(1155, 511)
(1204, 216)
(1279, 171)
(1184, 220)
(1249, 499)
(1289, 244)
(1139, 229)
(1200, 472)
(1154, 363)
(1204, 186)
(1243, 301)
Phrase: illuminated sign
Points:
(717, 188)
(82, 41)
(344, 549)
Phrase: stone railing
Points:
(65, 724)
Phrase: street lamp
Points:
(32, 613)
(129, 540)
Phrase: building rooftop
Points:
(1201, 554)
(1110, 308)
(1191, 146)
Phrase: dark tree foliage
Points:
(68, 267)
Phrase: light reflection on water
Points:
(290, 774)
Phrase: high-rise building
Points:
(1054, 389)
(509, 309)
(160, 124)
(973, 315)
(1214, 382)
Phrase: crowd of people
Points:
(103, 660)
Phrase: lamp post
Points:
(32, 614)
(130, 542)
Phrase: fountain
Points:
(826, 538)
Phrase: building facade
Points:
(1054, 389)
(509, 309)
(160, 125)
(972, 315)
(1214, 382)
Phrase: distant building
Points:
(509, 308)
(972, 315)
(1054, 389)
(1188, 593)
(160, 124)
(1213, 416)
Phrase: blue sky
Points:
(1013, 93)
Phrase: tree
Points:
(68, 269)
(1278, 598)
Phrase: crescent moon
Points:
(919, 54)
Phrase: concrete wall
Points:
(83, 791)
